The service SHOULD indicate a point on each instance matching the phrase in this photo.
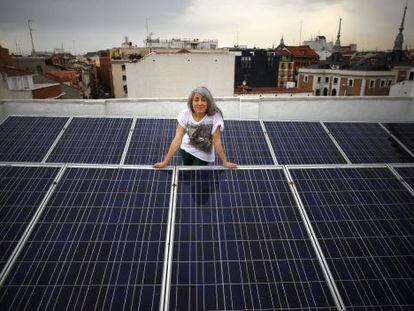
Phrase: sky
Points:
(91, 25)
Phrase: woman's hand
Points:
(229, 164)
(160, 164)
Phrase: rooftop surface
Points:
(318, 216)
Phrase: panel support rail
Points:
(57, 140)
(169, 243)
(397, 140)
(269, 144)
(401, 179)
(321, 258)
(342, 152)
(128, 141)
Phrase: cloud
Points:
(99, 24)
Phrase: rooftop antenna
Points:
(18, 51)
(237, 39)
(73, 44)
(300, 32)
(149, 35)
(31, 36)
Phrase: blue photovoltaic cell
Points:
(407, 173)
(98, 245)
(404, 132)
(150, 142)
(367, 143)
(92, 140)
(22, 189)
(240, 244)
(302, 143)
(245, 143)
(28, 139)
(364, 221)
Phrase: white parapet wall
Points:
(373, 109)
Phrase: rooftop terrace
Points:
(319, 215)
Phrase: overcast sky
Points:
(91, 25)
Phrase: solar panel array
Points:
(302, 143)
(99, 244)
(105, 140)
(245, 143)
(108, 236)
(92, 140)
(368, 143)
(27, 139)
(21, 192)
(364, 221)
(150, 142)
(240, 244)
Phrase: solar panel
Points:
(302, 143)
(368, 143)
(245, 143)
(150, 142)
(21, 192)
(99, 244)
(27, 139)
(364, 221)
(92, 140)
(404, 132)
(240, 244)
(407, 173)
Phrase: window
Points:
(326, 79)
(351, 82)
(270, 61)
(382, 85)
(126, 89)
(123, 67)
(305, 78)
(319, 79)
(411, 77)
(371, 84)
(389, 83)
(245, 61)
(335, 80)
(25, 82)
(124, 78)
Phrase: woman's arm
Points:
(220, 150)
(175, 144)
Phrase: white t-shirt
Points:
(197, 137)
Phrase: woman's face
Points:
(199, 104)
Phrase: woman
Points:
(198, 132)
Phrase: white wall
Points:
(402, 89)
(117, 81)
(5, 93)
(175, 75)
(374, 109)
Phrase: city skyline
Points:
(95, 25)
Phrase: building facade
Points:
(18, 84)
(168, 75)
(181, 43)
(330, 82)
(291, 58)
(255, 67)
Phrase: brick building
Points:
(330, 82)
(291, 58)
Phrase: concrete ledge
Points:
(373, 109)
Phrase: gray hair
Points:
(211, 104)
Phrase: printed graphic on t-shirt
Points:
(200, 136)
